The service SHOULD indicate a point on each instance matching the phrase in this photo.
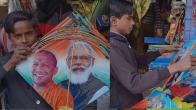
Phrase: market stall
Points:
(179, 90)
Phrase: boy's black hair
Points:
(17, 16)
(118, 8)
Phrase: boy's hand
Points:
(171, 48)
(20, 54)
(184, 64)
(159, 33)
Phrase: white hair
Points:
(79, 44)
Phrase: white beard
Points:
(79, 78)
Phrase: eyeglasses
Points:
(76, 58)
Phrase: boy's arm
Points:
(144, 60)
(129, 77)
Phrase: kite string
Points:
(69, 77)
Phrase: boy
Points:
(20, 27)
(127, 84)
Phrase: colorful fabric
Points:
(57, 97)
(26, 5)
(43, 29)
(5, 42)
(194, 13)
(141, 7)
(92, 8)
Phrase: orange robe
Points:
(57, 97)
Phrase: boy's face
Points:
(24, 34)
(123, 25)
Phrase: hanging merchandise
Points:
(90, 8)
(141, 7)
(25, 5)
(5, 41)
(176, 31)
(71, 63)
(194, 13)
(180, 89)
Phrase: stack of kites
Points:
(176, 92)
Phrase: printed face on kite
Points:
(80, 61)
(44, 67)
